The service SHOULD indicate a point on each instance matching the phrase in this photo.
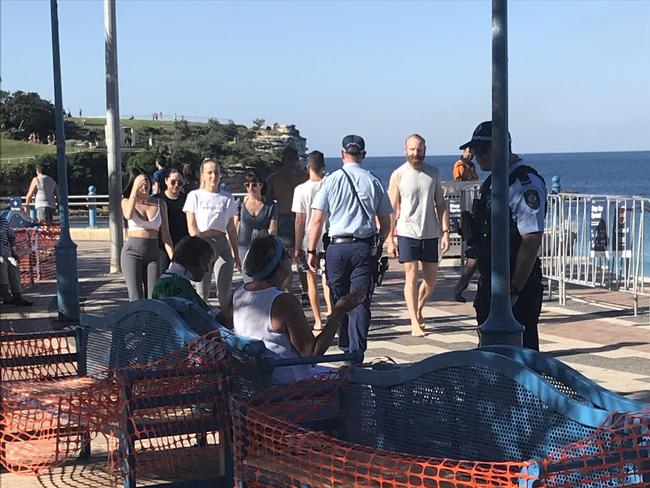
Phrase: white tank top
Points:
(136, 223)
(418, 217)
(252, 318)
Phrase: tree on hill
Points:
(24, 112)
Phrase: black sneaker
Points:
(21, 302)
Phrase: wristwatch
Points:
(311, 251)
(446, 231)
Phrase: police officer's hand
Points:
(313, 262)
(444, 242)
(392, 247)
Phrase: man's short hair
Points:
(415, 136)
(190, 250)
(316, 161)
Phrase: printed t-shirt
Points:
(211, 210)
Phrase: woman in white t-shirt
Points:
(303, 196)
(210, 215)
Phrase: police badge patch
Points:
(531, 197)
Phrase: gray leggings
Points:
(141, 266)
(222, 263)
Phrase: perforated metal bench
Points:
(546, 424)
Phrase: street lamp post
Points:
(500, 326)
(113, 143)
(67, 282)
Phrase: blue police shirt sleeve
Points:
(384, 206)
(528, 205)
(320, 201)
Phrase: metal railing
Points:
(596, 241)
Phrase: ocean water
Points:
(599, 173)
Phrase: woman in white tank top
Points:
(146, 221)
(262, 310)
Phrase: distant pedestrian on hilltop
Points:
(464, 169)
(47, 194)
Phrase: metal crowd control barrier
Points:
(596, 241)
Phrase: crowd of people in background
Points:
(329, 229)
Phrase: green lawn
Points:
(136, 123)
(11, 148)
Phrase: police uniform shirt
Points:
(527, 201)
(336, 197)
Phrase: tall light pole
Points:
(67, 282)
(113, 137)
(500, 326)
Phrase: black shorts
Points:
(425, 250)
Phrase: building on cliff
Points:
(277, 137)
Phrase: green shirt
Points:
(177, 286)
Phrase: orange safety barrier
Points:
(276, 444)
(35, 247)
(152, 416)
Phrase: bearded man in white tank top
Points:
(421, 223)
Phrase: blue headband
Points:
(269, 268)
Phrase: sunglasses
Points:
(252, 184)
(176, 183)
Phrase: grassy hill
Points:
(11, 148)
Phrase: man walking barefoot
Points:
(421, 221)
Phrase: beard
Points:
(416, 161)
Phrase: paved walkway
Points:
(596, 333)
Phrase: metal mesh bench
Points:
(465, 418)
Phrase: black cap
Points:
(482, 135)
(353, 145)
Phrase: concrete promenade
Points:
(596, 333)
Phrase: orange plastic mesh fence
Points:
(36, 248)
(617, 454)
(157, 413)
(272, 449)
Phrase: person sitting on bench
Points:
(262, 310)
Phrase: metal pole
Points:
(500, 326)
(67, 282)
(113, 142)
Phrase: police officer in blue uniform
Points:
(527, 203)
(354, 200)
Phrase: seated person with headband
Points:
(262, 310)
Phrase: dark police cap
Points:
(482, 135)
(353, 144)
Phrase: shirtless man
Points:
(279, 187)
(423, 219)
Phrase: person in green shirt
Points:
(191, 261)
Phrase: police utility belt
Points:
(374, 241)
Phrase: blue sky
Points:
(579, 70)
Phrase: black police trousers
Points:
(526, 311)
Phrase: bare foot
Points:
(420, 318)
(417, 331)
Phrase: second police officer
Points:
(527, 209)
(359, 222)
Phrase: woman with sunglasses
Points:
(210, 215)
(262, 310)
(175, 200)
(257, 217)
